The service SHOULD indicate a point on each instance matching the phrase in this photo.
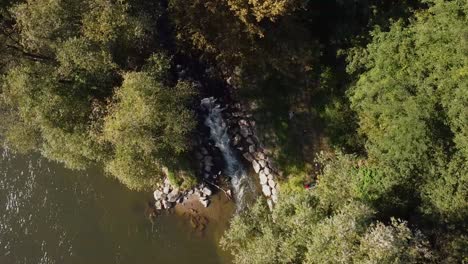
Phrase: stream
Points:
(242, 184)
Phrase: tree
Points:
(410, 96)
(300, 231)
(59, 97)
(148, 126)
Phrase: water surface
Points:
(49, 214)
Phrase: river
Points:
(49, 214)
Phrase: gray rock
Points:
(245, 132)
(270, 176)
(248, 156)
(236, 140)
(263, 178)
(250, 141)
(204, 151)
(173, 196)
(271, 183)
(260, 155)
(166, 189)
(262, 163)
(198, 155)
(242, 123)
(274, 191)
(207, 168)
(208, 160)
(266, 190)
(252, 148)
(157, 195)
(207, 191)
(266, 170)
(158, 205)
(205, 202)
(255, 166)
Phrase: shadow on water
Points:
(49, 214)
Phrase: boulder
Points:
(166, 204)
(173, 196)
(207, 191)
(208, 160)
(166, 189)
(158, 205)
(157, 195)
(205, 202)
(245, 132)
(271, 183)
(262, 163)
(242, 123)
(236, 140)
(256, 166)
(204, 151)
(259, 155)
(250, 141)
(207, 168)
(274, 191)
(266, 190)
(270, 176)
(248, 156)
(263, 178)
(266, 170)
(252, 148)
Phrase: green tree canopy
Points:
(79, 89)
(412, 102)
(148, 127)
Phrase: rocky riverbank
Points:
(244, 138)
(166, 196)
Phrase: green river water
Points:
(49, 214)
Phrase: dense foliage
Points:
(82, 86)
(410, 98)
(385, 83)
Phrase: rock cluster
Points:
(207, 165)
(167, 196)
(245, 140)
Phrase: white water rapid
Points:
(241, 183)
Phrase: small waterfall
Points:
(241, 182)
